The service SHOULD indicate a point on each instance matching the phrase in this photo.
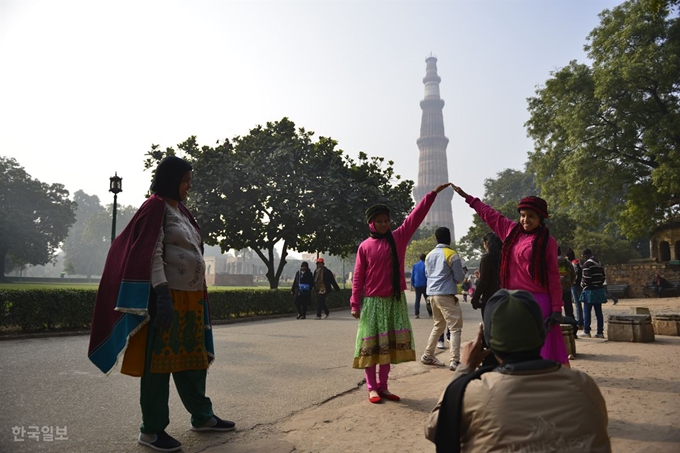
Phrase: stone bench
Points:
(672, 290)
(667, 324)
(619, 291)
(631, 328)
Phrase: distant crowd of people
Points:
(305, 283)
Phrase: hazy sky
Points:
(86, 87)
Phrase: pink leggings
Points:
(383, 374)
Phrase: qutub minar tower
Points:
(432, 165)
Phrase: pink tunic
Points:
(373, 267)
(520, 255)
(549, 298)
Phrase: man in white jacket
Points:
(444, 271)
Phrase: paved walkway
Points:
(289, 386)
(640, 383)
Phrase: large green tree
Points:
(80, 256)
(509, 186)
(607, 135)
(89, 239)
(277, 187)
(34, 216)
(419, 246)
(607, 249)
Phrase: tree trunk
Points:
(272, 276)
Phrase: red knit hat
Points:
(536, 204)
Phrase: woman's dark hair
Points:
(493, 244)
(168, 177)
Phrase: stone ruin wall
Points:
(636, 275)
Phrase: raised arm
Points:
(416, 217)
(498, 223)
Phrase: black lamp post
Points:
(115, 186)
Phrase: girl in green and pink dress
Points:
(384, 335)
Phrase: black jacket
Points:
(328, 280)
(489, 280)
(305, 278)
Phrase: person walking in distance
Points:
(593, 295)
(324, 283)
(384, 334)
(465, 288)
(567, 279)
(444, 271)
(419, 282)
(576, 287)
(302, 289)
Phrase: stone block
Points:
(569, 340)
(639, 311)
(631, 328)
(668, 324)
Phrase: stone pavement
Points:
(640, 383)
(289, 387)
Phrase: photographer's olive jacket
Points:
(555, 409)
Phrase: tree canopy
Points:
(416, 247)
(34, 216)
(277, 185)
(606, 136)
(501, 193)
(89, 239)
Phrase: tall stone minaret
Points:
(432, 165)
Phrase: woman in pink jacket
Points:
(384, 335)
(529, 262)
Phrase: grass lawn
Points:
(67, 285)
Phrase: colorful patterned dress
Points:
(384, 334)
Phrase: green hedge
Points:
(61, 309)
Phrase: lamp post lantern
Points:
(115, 186)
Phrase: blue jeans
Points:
(576, 295)
(420, 292)
(598, 315)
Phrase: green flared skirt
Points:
(384, 334)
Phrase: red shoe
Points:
(389, 396)
(374, 399)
